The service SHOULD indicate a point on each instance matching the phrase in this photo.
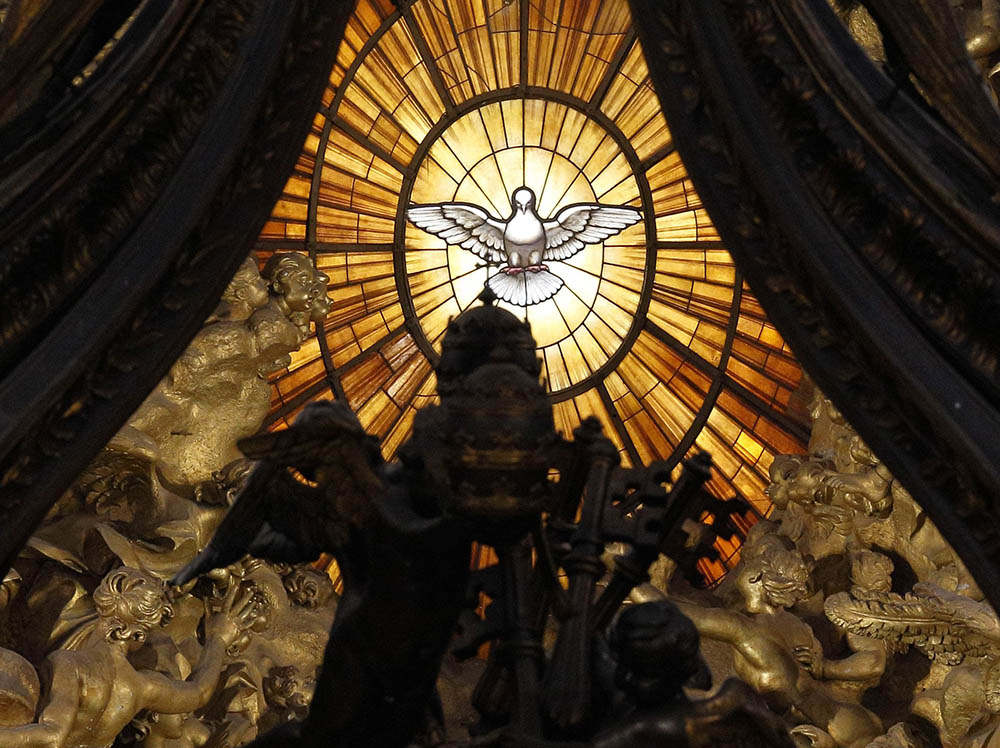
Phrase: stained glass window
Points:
(654, 331)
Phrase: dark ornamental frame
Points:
(868, 230)
(124, 210)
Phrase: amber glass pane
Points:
(653, 331)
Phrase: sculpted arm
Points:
(762, 662)
(719, 624)
(867, 662)
(57, 718)
(169, 696)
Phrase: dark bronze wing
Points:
(326, 445)
(248, 527)
(311, 481)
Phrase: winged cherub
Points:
(321, 486)
(522, 243)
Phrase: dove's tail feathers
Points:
(523, 289)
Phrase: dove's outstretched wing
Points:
(289, 515)
(576, 226)
(462, 225)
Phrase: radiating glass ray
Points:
(368, 16)
(438, 28)
(761, 360)
(504, 24)
(572, 44)
(489, 182)
(693, 375)
(631, 76)
(344, 154)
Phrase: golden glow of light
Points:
(486, 155)
(342, 202)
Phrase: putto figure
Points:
(521, 244)
(476, 468)
(94, 691)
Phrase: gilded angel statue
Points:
(94, 691)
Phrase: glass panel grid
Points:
(692, 374)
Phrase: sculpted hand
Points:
(241, 610)
(219, 625)
(811, 736)
(809, 659)
(834, 480)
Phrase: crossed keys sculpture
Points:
(477, 468)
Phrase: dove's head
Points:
(523, 200)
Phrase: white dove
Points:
(522, 242)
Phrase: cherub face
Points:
(285, 689)
(871, 571)
(780, 581)
(130, 603)
(247, 287)
(295, 280)
(796, 478)
(321, 303)
(300, 287)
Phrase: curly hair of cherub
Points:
(786, 577)
(784, 572)
(870, 572)
(130, 603)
